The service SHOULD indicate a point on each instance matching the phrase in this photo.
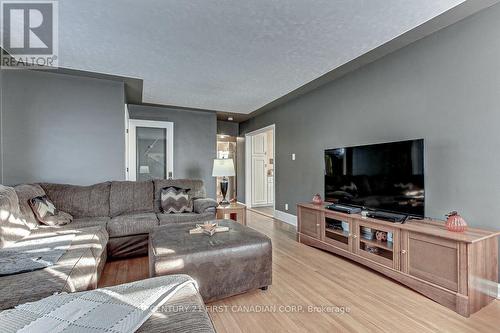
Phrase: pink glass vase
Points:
(317, 199)
(455, 222)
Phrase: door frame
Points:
(132, 152)
(248, 164)
(127, 125)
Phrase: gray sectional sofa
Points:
(128, 210)
(110, 219)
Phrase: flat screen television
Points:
(385, 177)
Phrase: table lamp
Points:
(223, 168)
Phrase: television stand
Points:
(457, 270)
(391, 217)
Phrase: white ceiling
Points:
(233, 56)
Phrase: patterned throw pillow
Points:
(47, 213)
(175, 200)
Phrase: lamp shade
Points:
(223, 168)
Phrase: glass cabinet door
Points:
(338, 232)
(378, 243)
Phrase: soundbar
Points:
(344, 209)
(391, 217)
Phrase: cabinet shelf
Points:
(383, 245)
(337, 232)
(384, 257)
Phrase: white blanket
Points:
(33, 254)
(119, 309)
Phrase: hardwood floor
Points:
(266, 211)
(304, 276)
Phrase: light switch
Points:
(293, 157)
(286, 206)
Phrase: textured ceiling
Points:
(233, 56)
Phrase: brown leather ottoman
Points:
(225, 264)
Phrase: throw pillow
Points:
(175, 200)
(46, 212)
(61, 218)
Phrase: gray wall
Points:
(195, 137)
(61, 128)
(444, 88)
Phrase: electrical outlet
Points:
(286, 206)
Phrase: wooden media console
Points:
(457, 270)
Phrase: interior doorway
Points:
(150, 150)
(260, 169)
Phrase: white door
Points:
(259, 169)
(151, 150)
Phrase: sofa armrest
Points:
(201, 206)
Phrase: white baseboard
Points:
(285, 217)
(260, 206)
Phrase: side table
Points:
(236, 212)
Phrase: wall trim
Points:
(285, 217)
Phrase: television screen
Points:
(386, 177)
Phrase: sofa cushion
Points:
(132, 224)
(189, 315)
(124, 247)
(76, 270)
(80, 201)
(205, 205)
(25, 193)
(183, 312)
(185, 217)
(12, 226)
(197, 189)
(131, 197)
(94, 238)
(83, 222)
